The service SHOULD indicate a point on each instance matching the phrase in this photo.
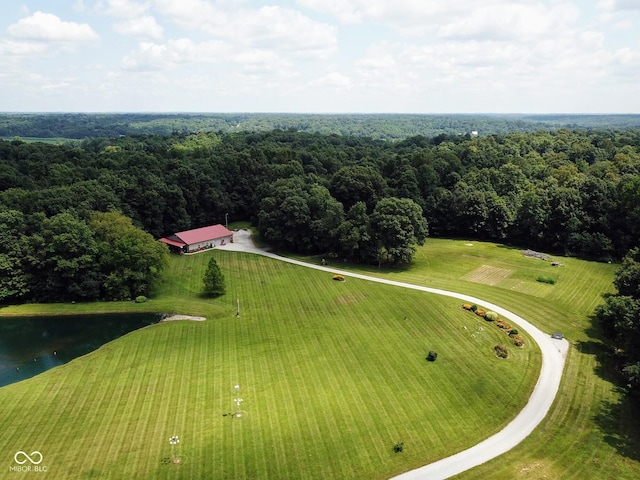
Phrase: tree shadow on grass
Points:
(619, 421)
(620, 426)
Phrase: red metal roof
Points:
(172, 242)
(203, 234)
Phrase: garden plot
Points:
(487, 275)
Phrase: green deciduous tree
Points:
(357, 183)
(130, 259)
(398, 226)
(619, 317)
(63, 263)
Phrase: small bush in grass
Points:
(141, 299)
(473, 308)
(467, 306)
(431, 357)
(513, 331)
(547, 279)
(501, 351)
(480, 312)
(491, 316)
(398, 447)
(518, 341)
(338, 278)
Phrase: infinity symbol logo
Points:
(28, 458)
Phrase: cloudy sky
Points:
(406, 56)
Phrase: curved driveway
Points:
(553, 351)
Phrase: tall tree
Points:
(619, 318)
(65, 253)
(213, 280)
(357, 183)
(355, 234)
(130, 259)
(398, 226)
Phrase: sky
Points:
(320, 56)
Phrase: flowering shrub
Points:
(518, 341)
(338, 278)
(467, 306)
(480, 312)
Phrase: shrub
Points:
(518, 341)
(473, 308)
(338, 278)
(547, 279)
(467, 306)
(504, 325)
(513, 332)
(432, 356)
(501, 351)
(480, 312)
(491, 316)
(398, 447)
(141, 299)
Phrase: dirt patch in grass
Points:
(487, 275)
(350, 298)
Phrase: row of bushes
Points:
(492, 316)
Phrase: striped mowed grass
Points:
(592, 431)
(333, 375)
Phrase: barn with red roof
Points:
(198, 239)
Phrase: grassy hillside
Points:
(593, 430)
(332, 375)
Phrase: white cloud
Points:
(46, 27)
(619, 5)
(511, 21)
(270, 27)
(12, 48)
(123, 8)
(56, 86)
(153, 56)
(454, 18)
(143, 27)
(332, 79)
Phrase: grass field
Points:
(592, 432)
(332, 375)
(52, 140)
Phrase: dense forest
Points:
(365, 200)
(377, 126)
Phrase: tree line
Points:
(378, 126)
(619, 320)
(573, 192)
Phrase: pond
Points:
(32, 345)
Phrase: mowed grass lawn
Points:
(592, 431)
(333, 375)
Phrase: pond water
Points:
(32, 345)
